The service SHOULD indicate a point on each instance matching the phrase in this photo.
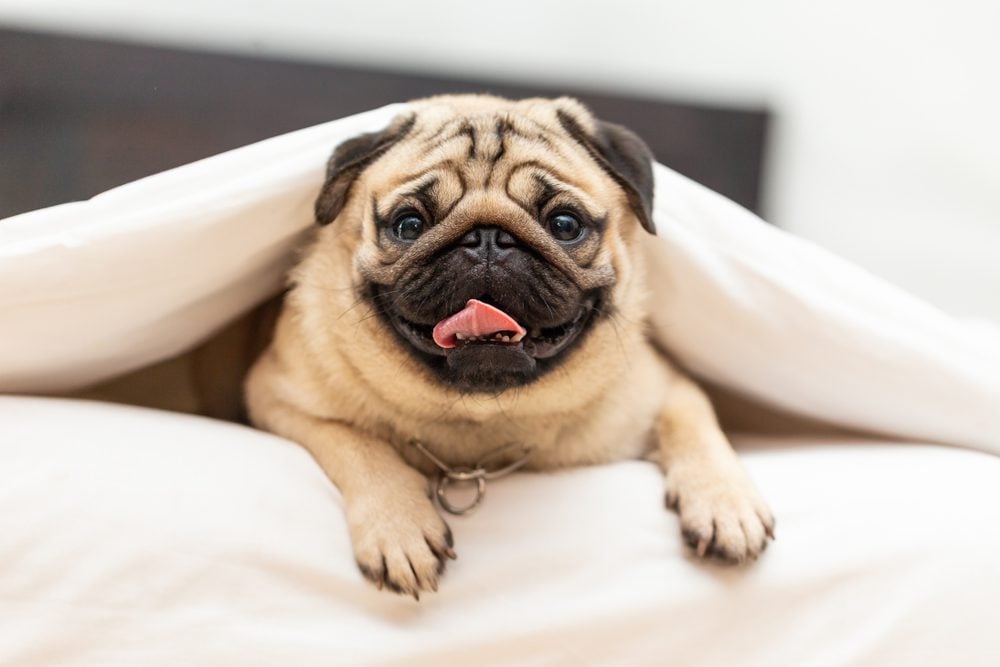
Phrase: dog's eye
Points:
(408, 226)
(565, 227)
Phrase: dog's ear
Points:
(349, 159)
(624, 156)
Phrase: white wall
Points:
(887, 137)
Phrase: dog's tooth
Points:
(516, 338)
(505, 339)
(460, 336)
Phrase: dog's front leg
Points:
(400, 540)
(721, 512)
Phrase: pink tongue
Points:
(476, 319)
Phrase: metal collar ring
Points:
(441, 491)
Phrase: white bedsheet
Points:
(133, 537)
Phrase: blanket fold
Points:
(141, 273)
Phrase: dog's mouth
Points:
(482, 346)
(483, 327)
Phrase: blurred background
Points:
(869, 126)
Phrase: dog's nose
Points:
(489, 242)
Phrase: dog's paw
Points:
(721, 513)
(401, 544)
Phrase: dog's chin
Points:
(491, 366)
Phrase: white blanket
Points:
(132, 537)
(140, 273)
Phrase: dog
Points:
(475, 287)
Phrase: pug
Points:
(475, 291)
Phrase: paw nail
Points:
(450, 553)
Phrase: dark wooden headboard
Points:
(79, 116)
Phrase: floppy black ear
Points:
(624, 156)
(349, 159)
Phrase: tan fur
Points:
(338, 381)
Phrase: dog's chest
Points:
(554, 441)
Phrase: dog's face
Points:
(491, 238)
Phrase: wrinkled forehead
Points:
(525, 157)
